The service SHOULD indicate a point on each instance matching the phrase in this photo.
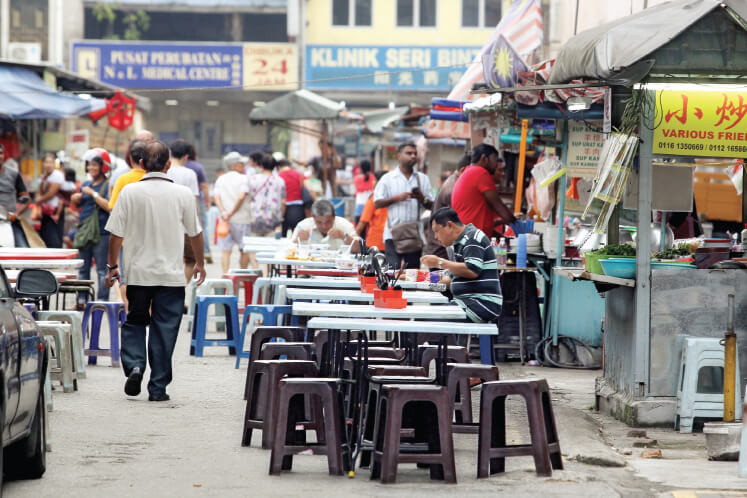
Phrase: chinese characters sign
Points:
(386, 68)
(186, 65)
(584, 147)
(701, 123)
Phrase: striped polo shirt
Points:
(480, 297)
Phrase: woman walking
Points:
(364, 186)
(48, 199)
(93, 202)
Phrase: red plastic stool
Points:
(248, 281)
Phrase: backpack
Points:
(266, 209)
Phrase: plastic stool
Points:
(47, 376)
(31, 308)
(242, 278)
(700, 391)
(75, 319)
(199, 325)
(61, 368)
(270, 314)
(209, 287)
(115, 313)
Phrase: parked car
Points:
(23, 365)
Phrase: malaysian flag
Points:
(522, 27)
(501, 64)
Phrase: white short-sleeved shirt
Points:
(151, 216)
(394, 183)
(184, 176)
(316, 236)
(57, 177)
(228, 187)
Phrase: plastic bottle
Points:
(494, 244)
(744, 239)
(502, 257)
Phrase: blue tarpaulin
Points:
(24, 95)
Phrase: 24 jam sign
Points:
(270, 67)
(701, 123)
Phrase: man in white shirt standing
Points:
(226, 193)
(181, 175)
(153, 215)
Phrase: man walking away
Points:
(152, 216)
(405, 192)
(474, 273)
(184, 176)
(227, 190)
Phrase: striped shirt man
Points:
(479, 297)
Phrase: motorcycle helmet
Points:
(103, 154)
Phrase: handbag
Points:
(407, 237)
(88, 232)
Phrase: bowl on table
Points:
(618, 267)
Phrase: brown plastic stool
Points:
(439, 455)
(263, 389)
(492, 447)
(428, 353)
(291, 350)
(262, 335)
(287, 441)
(458, 375)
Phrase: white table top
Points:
(402, 326)
(421, 312)
(266, 241)
(263, 260)
(340, 283)
(46, 264)
(356, 295)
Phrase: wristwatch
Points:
(110, 268)
(95, 195)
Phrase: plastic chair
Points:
(75, 319)
(270, 315)
(199, 325)
(116, 315)
(61, 365)
(700, 391)
(209, 287)
(247, 279)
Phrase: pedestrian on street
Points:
(47, 197)
(185, 176)
(405, 192)
(204, 197)
(473, 274)
(475, 197)
(325, 228)
(294, 210)
(152, 216)
(225, 193)
(364, 185)
(373, 221)
(93, 202)
(443, 199)
(14, 197)
(132, 165)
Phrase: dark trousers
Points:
(161, 308)
(412, 259)
(19, 235)
(51, 231)
(98, 254)
(293, 215)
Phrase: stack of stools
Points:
(199, 325)
(270, 316)
(75, 319)
(263, 335)
(115, 314)
(247, 281)
(492, 447)
(459, 375)
(61, 367)
(430, 409)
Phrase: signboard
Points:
(254, 66)
(584, 147)
(701, 123)
(386, 67)
(270, 66)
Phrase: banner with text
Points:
(386, 68)
(585, 143)
(701, 123)
(255, 66)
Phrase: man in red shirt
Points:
(475, 197)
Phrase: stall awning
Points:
(604, 52)
(299, 105)
(24, 95)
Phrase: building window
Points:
(481, 13)
(414, 13)
(351, 12)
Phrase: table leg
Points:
(487, 351)
(522, 316)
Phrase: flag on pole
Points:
(501, 64)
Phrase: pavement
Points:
(107, 444)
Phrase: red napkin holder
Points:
(368, 284)
(389, 298)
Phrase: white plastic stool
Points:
(75, 319)
(208, 288)
(63, 369)
(700, 391)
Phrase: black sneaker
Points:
(132, 386)
(159, 397)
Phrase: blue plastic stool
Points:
(31, 308)
(199, 324)
(116, 315)
(270, 314)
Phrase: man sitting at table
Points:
(325, 228)
(474, 273)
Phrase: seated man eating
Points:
(325, 228)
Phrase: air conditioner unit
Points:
(24, 52)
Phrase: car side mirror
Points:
(35, 283)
